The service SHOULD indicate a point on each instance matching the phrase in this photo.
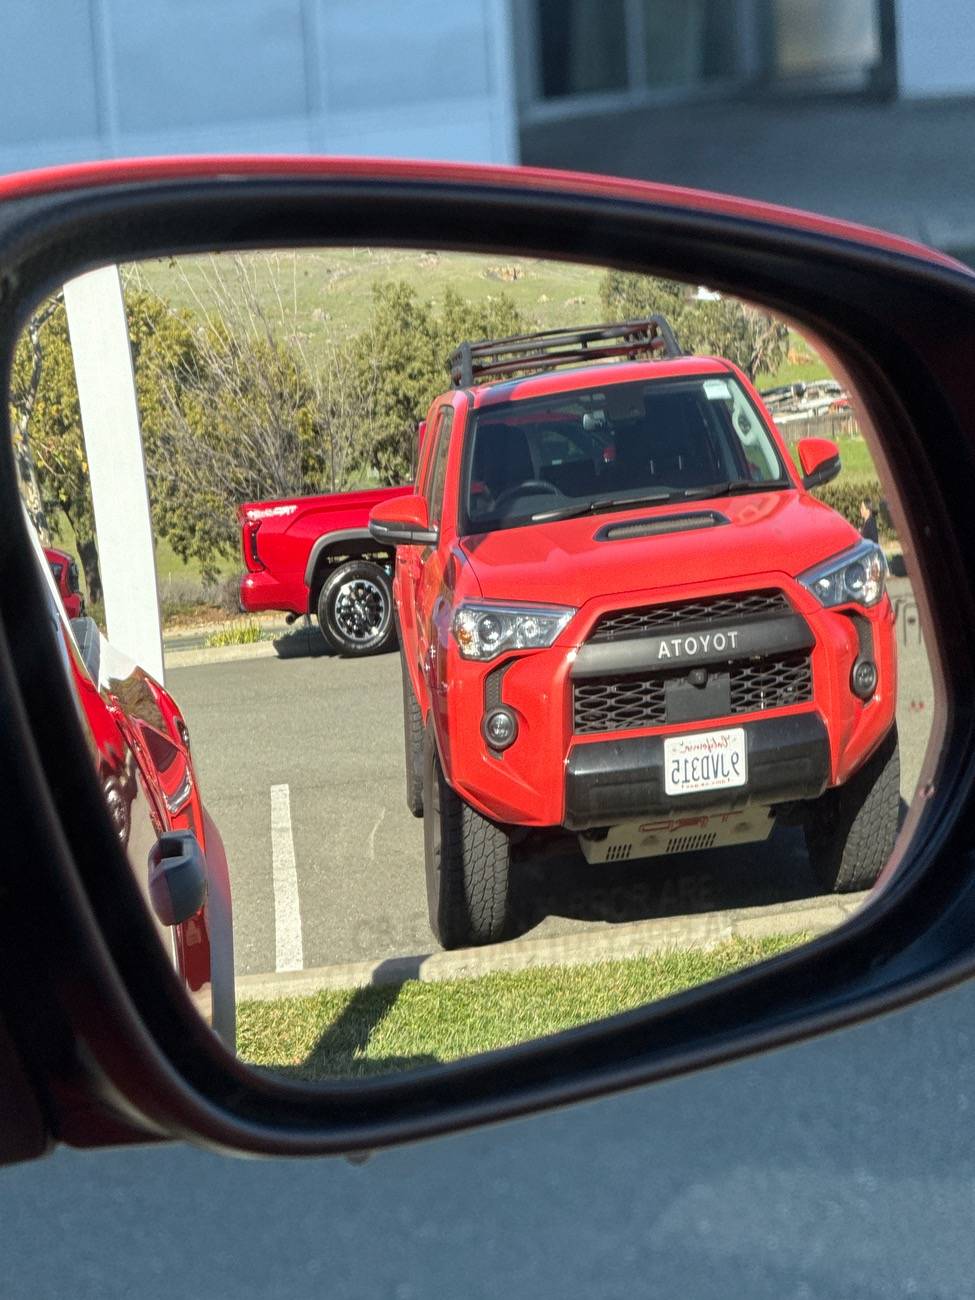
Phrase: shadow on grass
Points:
(339, 1051)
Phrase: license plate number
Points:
(709, 760)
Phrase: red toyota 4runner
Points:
(622, 614)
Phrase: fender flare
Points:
(328, 539)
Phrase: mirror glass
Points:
(623, 688)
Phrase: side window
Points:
(429, 453)
(438, 476)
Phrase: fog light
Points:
(500, 728)
(864, 678)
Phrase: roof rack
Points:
(472, 363)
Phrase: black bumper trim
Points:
(694, 645)
(610, 781)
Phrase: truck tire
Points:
(850, 831)
(413, 734)
(468, 864)
(355, 610)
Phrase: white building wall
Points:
(110, 78)
(935, 48)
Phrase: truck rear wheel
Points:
(468, 864)
(850, 831)
(355, 609)
(413, 733)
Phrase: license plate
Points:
(709, 760)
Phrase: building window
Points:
(829, 42)
(691, 43)
(582, 47)
(585, 53)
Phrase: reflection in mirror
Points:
(534, 671)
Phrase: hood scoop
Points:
(655, 525)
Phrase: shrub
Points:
(234, 634)
(844, 496)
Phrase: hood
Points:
(563, 563)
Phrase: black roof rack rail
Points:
(472, 363)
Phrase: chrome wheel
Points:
(361, 612)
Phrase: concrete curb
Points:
(221, 654)
(812, 916)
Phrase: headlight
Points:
(857, 575)
(485, 631)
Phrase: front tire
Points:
(468, 864)
(355, 610)
(850, 831)
(413, 734)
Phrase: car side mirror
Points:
(404, 521)
(820, 461)
(177, 877)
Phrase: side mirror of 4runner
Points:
(820, 461)
(403, 522)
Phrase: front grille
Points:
(683, 613)
(640, 700)
(759, 684)
(619, 703)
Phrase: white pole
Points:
(110, 420)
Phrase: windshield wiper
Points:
(731, 486)
(600, 504)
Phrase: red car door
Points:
(413, 562)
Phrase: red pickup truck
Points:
(315, 555)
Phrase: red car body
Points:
(291, 548)
(139, 745)
(64, 570)
(586, 769)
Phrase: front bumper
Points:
(535, 782)
(612, 781)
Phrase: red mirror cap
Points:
(404, 521)
(409, 512)
(814, 452)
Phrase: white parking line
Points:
(288, 951)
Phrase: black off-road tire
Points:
(413, 735)
(468, 864)
(850, 831)
(357, 585)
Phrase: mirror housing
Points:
(404, 521)
(820, 461)
(177, 877)
(76, 935)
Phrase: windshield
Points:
(609, 448)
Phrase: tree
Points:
(24, 386)
(44, 401)
(724, 327)
(235, 411)
(404, 352)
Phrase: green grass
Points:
(380, 1029)
(328, 292)
(241, 633)
(802, 365)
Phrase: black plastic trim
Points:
(694, 644)
(609, 781)
(654, 526)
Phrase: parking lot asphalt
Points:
(330, 730)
